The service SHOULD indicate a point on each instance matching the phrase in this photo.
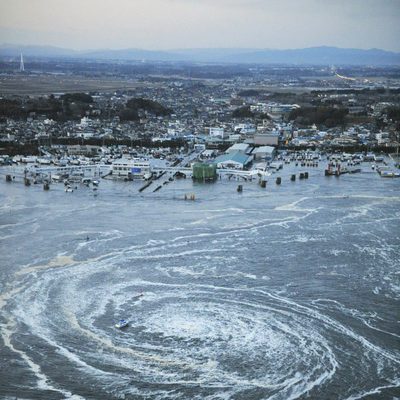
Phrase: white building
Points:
(130, 168)
(264, 153)
(216, 132)
(239, 147)
(245, 129)
(86, 135)
(382, 137)
(85, 122)
(259, 107)
(276, 110)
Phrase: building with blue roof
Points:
(234, 160)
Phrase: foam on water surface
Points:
(280, 296)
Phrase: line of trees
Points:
(68, 106)
(328, 117)
(12, 148)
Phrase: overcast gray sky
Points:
(168, 24)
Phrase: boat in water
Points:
(122, 323)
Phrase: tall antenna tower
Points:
(21, 64)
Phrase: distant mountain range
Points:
(308, 56)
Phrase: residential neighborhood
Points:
(227, 119)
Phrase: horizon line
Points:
(192, 48)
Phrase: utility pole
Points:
(21, 64)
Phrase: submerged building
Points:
(233, 160)
(130, 168)
(204, 172)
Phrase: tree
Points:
(150, 106)
(243, 112)
(249, 93)
(77, 98)
(128, 114)
(326, 116)
(393, 113)
(11, 109)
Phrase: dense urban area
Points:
(93, 109)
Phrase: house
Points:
(233, 160)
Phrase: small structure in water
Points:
(203, 172)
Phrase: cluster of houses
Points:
(202, 116)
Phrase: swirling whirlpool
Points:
(183, 341)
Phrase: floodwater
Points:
(288, 292)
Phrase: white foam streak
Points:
(377, 390)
